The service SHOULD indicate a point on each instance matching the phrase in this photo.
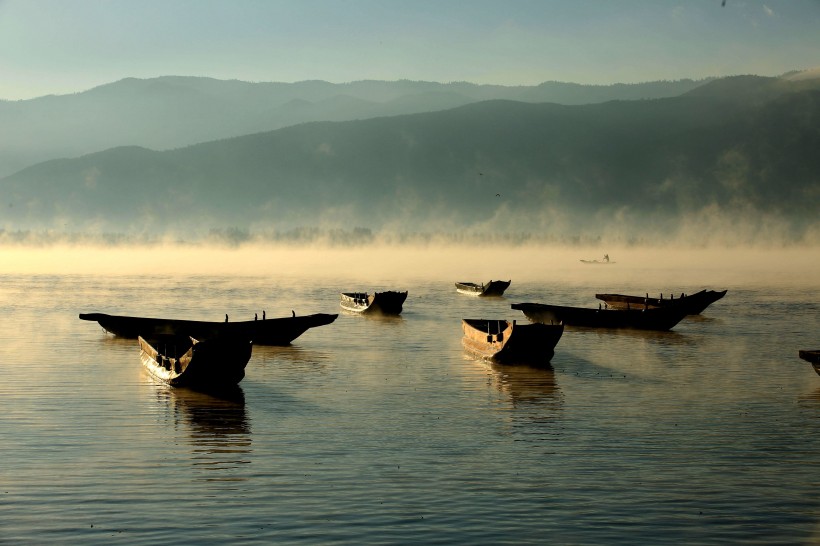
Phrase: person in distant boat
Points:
(263, 314)
(293, 312)
(255, 316)
(606, 257)
(226, 317)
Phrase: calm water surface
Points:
(384, 431)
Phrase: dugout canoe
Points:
(276, 331)
(663, 318)
(492, 288)
(183, 361)
(508, 342)
(389, 302)
(695, 303)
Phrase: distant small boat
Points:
(277, 331)
(507, 342)
(812, 357)
(605, 261)
(385, 303)
(695, 303)
(184, 361)
(492, 288)
(663, 318)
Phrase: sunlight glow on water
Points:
(374, 430)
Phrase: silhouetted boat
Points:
(507, 342)
(386, 303)
(492, 288)
(812, 357)
(277, 331)
(184, 361)
(662, 318)
(695, 303)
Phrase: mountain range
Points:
(412, 156)
(172, 111)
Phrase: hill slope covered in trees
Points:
(740, 147)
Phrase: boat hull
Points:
(510, 343)
(813, 357)
(646, 319)
(277, 331)
(182, 361)
(383, 303)
(492, 288)
(695, 303)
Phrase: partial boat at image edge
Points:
(813, 357)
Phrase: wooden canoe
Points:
(695, 303)
(597, 262)
(385, 303)
(664, 318)
(492, 288)
(509, 343)
(277, 331)
(182, 361)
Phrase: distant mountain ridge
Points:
(176, 111)
(740, 148)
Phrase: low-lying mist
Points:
(380, 265)
(742, 224)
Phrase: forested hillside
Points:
(745, 146)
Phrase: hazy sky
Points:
(65, 46)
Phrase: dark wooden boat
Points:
(812, 357)
(277, 331)
(663, 318)
(385, 303)
(492, 288)
(509, 343)
(183, 361)
(695, 303)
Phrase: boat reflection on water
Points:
(217, 424)
(292, 357)
(527, 385)
(523, 384)
(376, 317)
(213, 412)
(810, 399)
(650, 337)
(291, 353)
(532, 412)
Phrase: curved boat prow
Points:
(92, 316)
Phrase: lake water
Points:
(383, 430)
